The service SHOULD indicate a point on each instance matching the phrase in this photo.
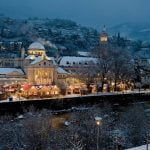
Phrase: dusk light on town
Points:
(74, 75)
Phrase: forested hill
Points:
(53, 33)
(136, 31)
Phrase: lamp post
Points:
(98, 123)
(147, 144)
(118, 137)
(147, 140)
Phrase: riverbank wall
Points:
(58, 104)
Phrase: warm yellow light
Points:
(21, 89)
(104, 39)
(98, 121)
(47, 93)
(112, 83)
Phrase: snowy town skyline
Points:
(74, 75)
(93, 13)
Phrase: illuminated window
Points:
(104, 39)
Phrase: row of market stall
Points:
(29, 90)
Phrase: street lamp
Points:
(118, 137)
(98, 123)
(147, 140)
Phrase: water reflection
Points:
(58, 121)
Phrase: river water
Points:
(59, 120)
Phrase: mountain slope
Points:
(53, 33)
(135, 31)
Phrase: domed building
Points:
(40, 69)
(36, 49)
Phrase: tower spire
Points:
(104, 28)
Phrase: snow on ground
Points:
(143, 147)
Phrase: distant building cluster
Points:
(36, 74)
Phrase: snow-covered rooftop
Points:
(10, 70)
(31, 57)
(86, 54)
(36, 60)
(36, 46)
(40, 58)
(61, 70)
(72, 60)
(53, 59)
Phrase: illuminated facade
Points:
(104, 36)
(42, 72)
(36, 68)
(40, 69)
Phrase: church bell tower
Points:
(104, 36)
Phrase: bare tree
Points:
(134, 125)
(114, 64)
(36, 130)
(122, 66)
(104, 61)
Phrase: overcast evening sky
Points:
(93, 13)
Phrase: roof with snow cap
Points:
(72, 60)
(61, 70)
(10, 70)
(31, 57)
(85, 54)
(37, 60)
(36, 46)
(40, 58)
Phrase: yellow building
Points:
(42, 72)
(41, 69)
